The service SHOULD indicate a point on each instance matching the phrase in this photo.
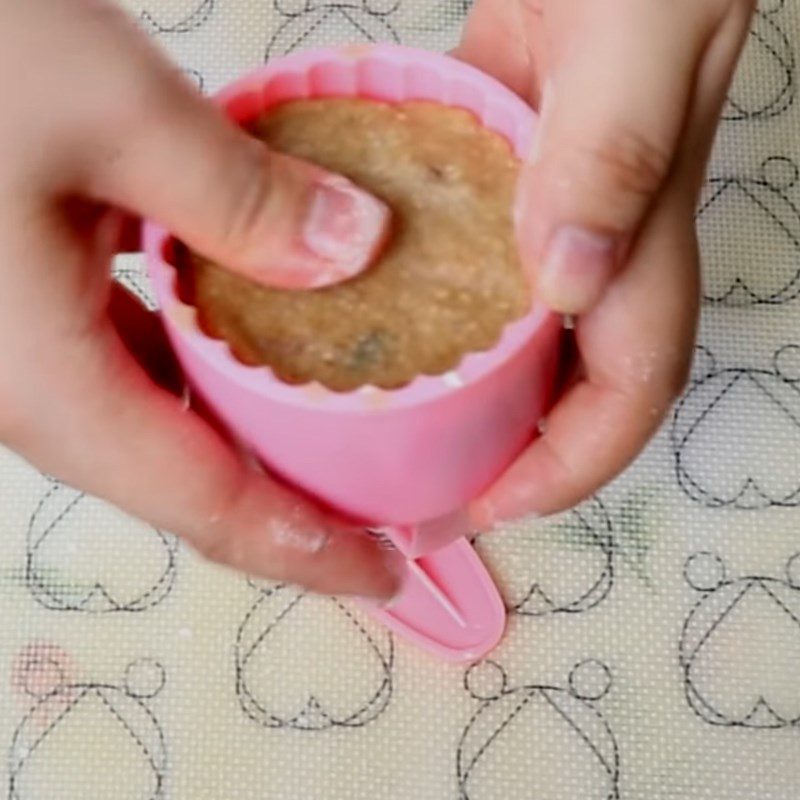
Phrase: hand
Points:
(629, 94)
(98, 126)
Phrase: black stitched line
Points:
(791, 289)
(387, 663)
(692, 487)
(529, 695)
(764, 583)
(48, 595)
(701, 706)
(270, 627)
(198, 78)
(574, 607)
(596, 593)
(194, 20)
(130, 279)
(385, 13)
(460, 749)
(15, 768)
(719, 621)
(786, 96)
(60, 518)
(762, 703)
(714, 403)
(605, 544)
(145, 751)
(713, 718)
(346, 10)
(302, 37)
(719, 720)
(16, 765)
(464, 769)
(295, 721)
(781, 406)
(256, 711)
(359, 27)
(241, 666)
(605, 580)
(149, 599)
(612, 771)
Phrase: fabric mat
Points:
(653, 649)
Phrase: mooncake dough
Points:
(448, 282)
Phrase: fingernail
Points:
(577, 266)
(492, 514)
(484, 517)
(396, 566)
(345, 227)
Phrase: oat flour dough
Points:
(448, 282)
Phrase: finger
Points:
(636, 344)
(112, 432)
(174, 158)
(136, 134)
(615, 102)
(503, 38)
(121, 438)
(635, 358)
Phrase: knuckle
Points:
(249, 187)
(216, 536)
(630, 162)
(219, 546)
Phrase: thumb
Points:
(612, 113)
(272, 218)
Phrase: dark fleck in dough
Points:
(448, 282)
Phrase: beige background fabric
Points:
(653, 650)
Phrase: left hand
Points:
(98, 124)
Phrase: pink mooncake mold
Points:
(405, 461)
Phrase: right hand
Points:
(99, 126)
(629, 94)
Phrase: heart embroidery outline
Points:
(767, 194)
(721, 597)
(126, 702)
(194, 20)
(59, 502)
(767, 35)
(254, 634)
(778, 387)
(591, 524)
(501, 706)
